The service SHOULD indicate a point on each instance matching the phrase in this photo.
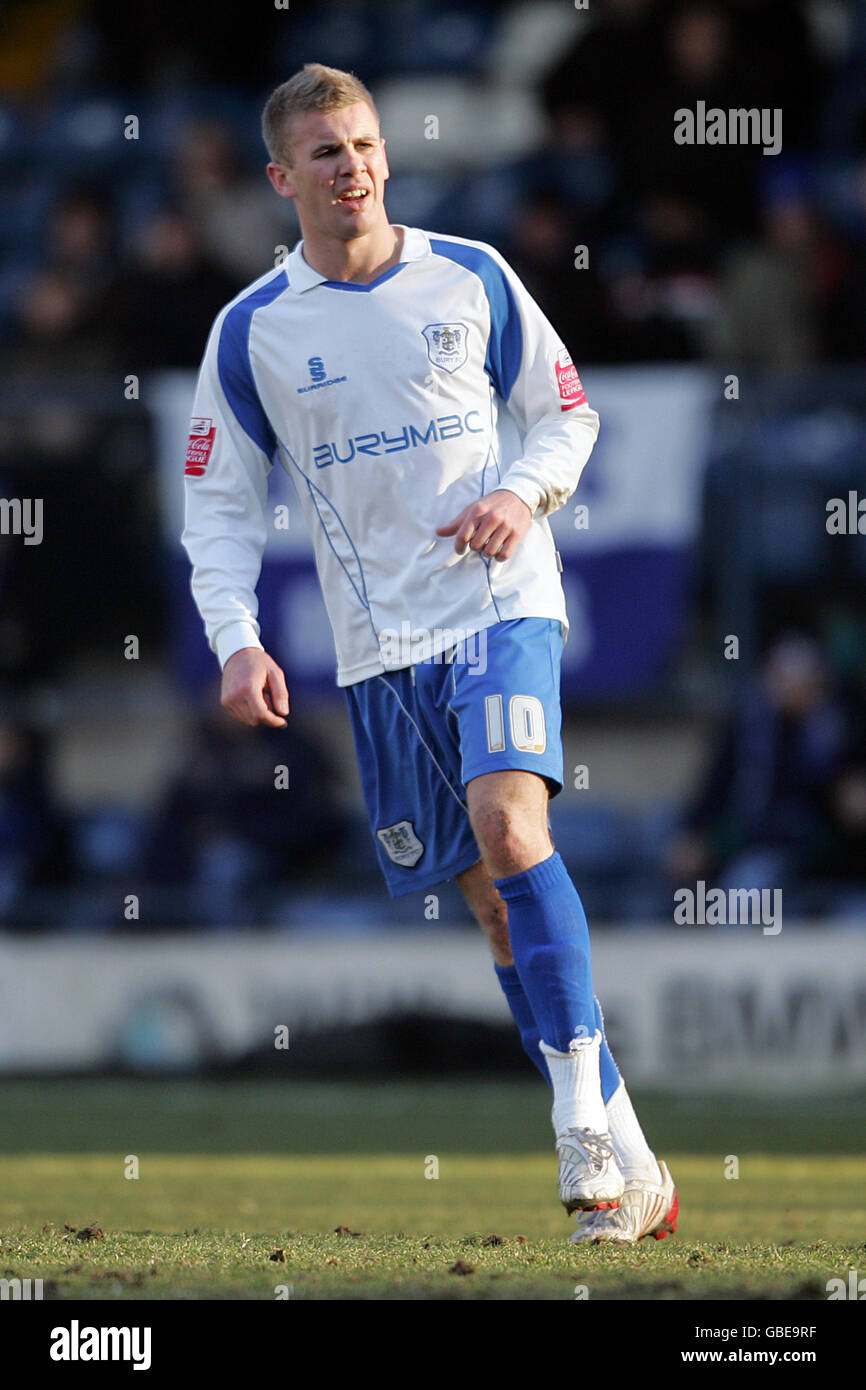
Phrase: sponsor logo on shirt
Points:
(444, 427)
(198, 450)
(571, 392)
(447, 344)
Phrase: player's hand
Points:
(494, 525)
(254, 688)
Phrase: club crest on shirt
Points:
(446, 344)
(401, 843)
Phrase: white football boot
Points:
(646, 1209)
(589, 1175)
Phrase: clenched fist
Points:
(254, 688)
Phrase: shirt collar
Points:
(302, 276)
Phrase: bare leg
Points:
(480, 892)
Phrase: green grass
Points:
(230, 1173)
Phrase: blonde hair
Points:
(314, 88)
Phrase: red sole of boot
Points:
(669, 1225)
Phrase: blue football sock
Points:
(530, 1036)
(522, 1015)
(610, 1077)
(550, 944)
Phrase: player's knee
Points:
(503, 834)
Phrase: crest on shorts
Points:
(447, 344)
(401, 843)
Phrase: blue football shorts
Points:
(423, 732)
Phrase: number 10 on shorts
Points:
(526, 721)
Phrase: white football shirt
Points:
(392, 405)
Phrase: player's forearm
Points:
(229, 616)
(225, 572)
(555, 453)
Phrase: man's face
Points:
(338, 172)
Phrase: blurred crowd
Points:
(780, 804)
(782, 801)
(116, 254)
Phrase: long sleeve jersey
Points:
(392, 405)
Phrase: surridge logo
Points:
(319, 376)
(77, 1343)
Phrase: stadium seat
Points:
(419, 200)
(107, 841)
(84, 135)
(416, 37)
(426, 122)
(530, 38)
(13, 137)
(377, 41)
(14, 277)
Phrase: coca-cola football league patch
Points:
(571, 392)
(198, 449)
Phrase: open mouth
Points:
(355, 198)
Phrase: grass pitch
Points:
(261, 1190)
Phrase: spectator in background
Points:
(56, 328)
(32, 849)
(700, 62)
(838, 859)
(542, 251)
(57, 324)
(612, 65)
(771, 290)
(844, 324)
(574, 162)
(664, 286)
(159, 309)
(778, 63)
(764, 806)
(228, 836)
(81, 237)
(240, 222)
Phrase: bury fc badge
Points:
(446, 344)
(401, 844)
